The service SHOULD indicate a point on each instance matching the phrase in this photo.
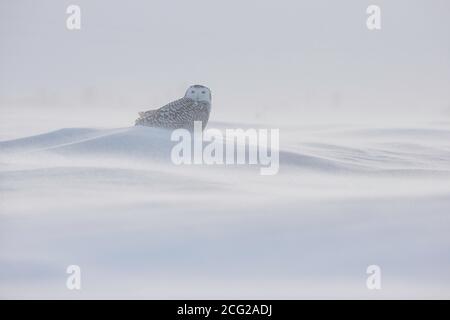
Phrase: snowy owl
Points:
(181, 113)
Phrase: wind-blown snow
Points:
(112, 202)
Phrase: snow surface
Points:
(112, 202)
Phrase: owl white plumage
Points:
(181, 113)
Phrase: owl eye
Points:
(192, 91)
(203, 91)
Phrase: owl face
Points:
(198, 93)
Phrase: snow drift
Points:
(112, 202)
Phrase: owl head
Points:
(198, 93)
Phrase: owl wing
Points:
(172, 113)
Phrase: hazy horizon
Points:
(265, 61)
